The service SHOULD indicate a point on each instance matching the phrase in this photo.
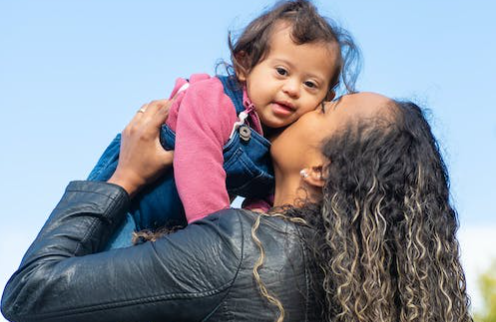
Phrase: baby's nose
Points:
(292, 88)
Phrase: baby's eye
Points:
(281, 71)
(310, 84)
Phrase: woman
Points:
(367, 234)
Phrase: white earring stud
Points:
(304, 173)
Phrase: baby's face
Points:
(291, 80)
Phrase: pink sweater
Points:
(202, 116)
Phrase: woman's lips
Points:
(282, 108)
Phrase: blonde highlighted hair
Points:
(385, 232)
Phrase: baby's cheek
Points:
(305, 111)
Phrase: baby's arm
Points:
(204, 123)
(259, 204)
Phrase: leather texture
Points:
(200, 273)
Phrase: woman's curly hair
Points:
(386, 239)
(385, 228)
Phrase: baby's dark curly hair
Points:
(307, 26)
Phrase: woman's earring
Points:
(304, 173)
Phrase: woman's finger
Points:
(136, 120)
(163, 111)
(139, 113)
(142, 158)
(157, 112)
(142, 109)
(167, 157)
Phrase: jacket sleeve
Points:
(62, 277)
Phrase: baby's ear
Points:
(240, 66)
(330, 96)
(241, 75)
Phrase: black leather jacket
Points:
(200, 273)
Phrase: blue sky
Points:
(72, 73)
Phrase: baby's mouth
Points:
(283, 108)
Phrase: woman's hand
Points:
(142, 158)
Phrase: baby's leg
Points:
(106, 165)
(102, 171)
(123, 235)
(157, 205)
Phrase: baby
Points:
(285, 63)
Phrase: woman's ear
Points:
(313, 176)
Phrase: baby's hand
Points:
(259, 210)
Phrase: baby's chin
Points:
(272, 129)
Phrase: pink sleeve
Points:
(259, 204)
(174, 109)
(203, 127)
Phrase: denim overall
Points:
(247, 164)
